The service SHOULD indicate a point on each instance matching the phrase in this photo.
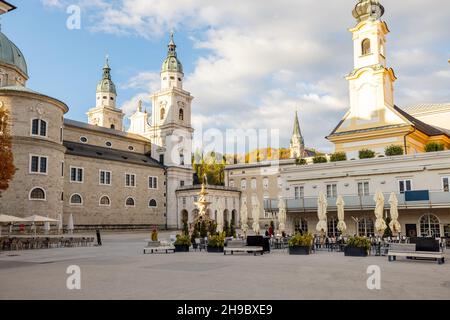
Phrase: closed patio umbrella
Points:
(255, 214)
(219, 216)
(322, 213)
(244, 216)
(281, 215)
(70, 225)
(60, 223)
(394, 224)
(47, 227)
(380, 224)
(340, 212)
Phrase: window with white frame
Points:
(76, 199)
(266, 183)
(404, 185)
(232, 183)
(105, 178)
(130, 180)
(243, 184)
(332, 190)
(105, 201)
(129, 202)
(38, 128)
(363, 188)
(153, 182)
(38, 164)
(280, 182)
(76, 174)
(253, 183)
(37, 194)
(446, 184)
(299, 192)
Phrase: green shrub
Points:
(299, 240)
(182, 240)
(394, 150)
(366, 154)
(212, 228)
(338, 156)
(195, 233)
(185, 227)
(203, 229)
(434, 146)
(217, 241)
(320, 159)
(232, 229)
(300, 161)
(359, 242)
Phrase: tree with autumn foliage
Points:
(7, 168)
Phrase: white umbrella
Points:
(60, 223)
(70, 225)
(255, 214)
(244, 216)
(394, 224)
(5, 219)
(281, 215)
(47, 227)
(40, 219)
(340, 212)
(380, 224)
(322, 213)
(219, 216)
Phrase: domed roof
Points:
(366, 9)
(106, 84)
(172, 63)
(10, 54)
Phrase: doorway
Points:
(411, 230)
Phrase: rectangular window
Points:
(332, 190)
(130, 180)
(243, 184)
(363, 188)
(161, 158)
(182, 183)
(299, 192)
(76, 174)
(153, 182)
(404, 185)
(253, 181)
(38, 164)
(62, 168)
(105, 177)
(38, 128)
(266, 183)
(35, 127)
(446, 184)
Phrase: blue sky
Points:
(249, 64)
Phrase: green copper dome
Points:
(106, 84)
(10, 54)
(172, 63)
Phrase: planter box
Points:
(214, 249)
(355, 252)
(300, 250)
(181, 248)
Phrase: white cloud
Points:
(266, 58)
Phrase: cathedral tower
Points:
(105, 113)
(297, 144)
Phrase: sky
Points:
(248, 63)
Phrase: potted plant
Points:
(357, 247)
(301, 244)
(182, 243)
(216, 243)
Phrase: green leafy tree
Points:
(394, 150)
(226, 228)
(203, 229)
(320, 159)
(300, 161)
(232, 228)
(434, 147)
(338, 156)
(185, 227)
(366, 154)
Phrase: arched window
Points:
(366, 227)
(429, 226)
(105, 201)
(152, 203)
(37, 194)
(181, 115)
(332, 227)
(76, 199)
(162, 114)
(365, 47)
(129, 202)
(113, 126)
(38, 127)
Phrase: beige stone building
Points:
(97, 172)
